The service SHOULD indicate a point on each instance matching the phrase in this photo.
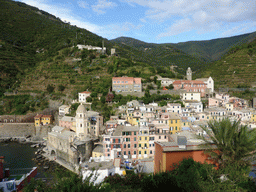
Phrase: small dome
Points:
(81, 109)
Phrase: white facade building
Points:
(83, 95)
(174, 107)
(191, 96)
(209, 83)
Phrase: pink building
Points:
(130, 142)
(67, 122)
(214, 102)
(126, 84)
(190, 86)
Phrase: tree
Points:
(61, 88)
(50, 88)
(234, 143)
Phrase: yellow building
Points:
(253, 117)
(174, 123)
(43, 120)
(98, 151)
(143, 142)
(229, 106)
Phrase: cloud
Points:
(121, 29)
(204, 16)
(64, 13)
(181, 26)
(102, 5)
(83, 4)
(242, 28)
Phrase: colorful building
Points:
(191, 86)
(43, 119)
(181, 146)
(143, 138)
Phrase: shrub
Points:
(61, 88)
(50, 88)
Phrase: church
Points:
(75, 145)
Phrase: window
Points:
(134, 138)
(145, 152)
(129, 145)
(135, 145)
(134, 152)
(139, 152)
(124, 152)
(145, 145)
(124, 145)
(139, 145)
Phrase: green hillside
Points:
(29, 35)
(213, 50)
(237, 68)
(157, 55)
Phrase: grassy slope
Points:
(235, 69)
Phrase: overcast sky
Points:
(156, 21)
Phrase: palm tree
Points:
(230, 142)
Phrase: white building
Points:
(166, 81)
(209, 83)
(191, 96)
(174, 107)
(89, 47)
(193, 106)
(83, 95)
(64, 109)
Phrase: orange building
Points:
(169, 153)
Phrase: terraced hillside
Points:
(237, 68)
(69, 72)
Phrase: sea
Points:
(18, 158)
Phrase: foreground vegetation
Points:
(188, 176)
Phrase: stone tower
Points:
(189, 74)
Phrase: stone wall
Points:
(136, 94)
(170, 92)
(24, 129)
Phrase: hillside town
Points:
(143, 137)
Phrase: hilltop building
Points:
(89, 47)
(126, 84)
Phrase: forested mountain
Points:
(157, 55)
(212, 50)
(29, 35)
